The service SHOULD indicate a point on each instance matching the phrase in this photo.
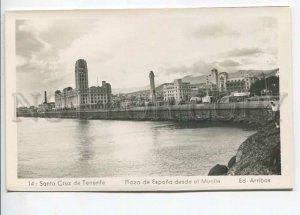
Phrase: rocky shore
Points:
(258, 155)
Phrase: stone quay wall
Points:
(249, 112)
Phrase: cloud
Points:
(247, 61)
(21, 61)
(44, 38)
(122, 47)
(28, 43)
(67, 31)
(198, 68)
(38, 51)
(215, 30)
(241, 52)
(181, 70)
(229, 63)
(201, 67)
(268, 22)
(271, 51)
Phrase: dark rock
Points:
(259, 154)
(218, 170)
(231, 162)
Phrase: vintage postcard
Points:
(149, 99)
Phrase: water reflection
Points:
(84, 146)
(155, 136)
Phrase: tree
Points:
(273, 85)
(172, 101)
(269, 85)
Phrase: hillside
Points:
(158, 89)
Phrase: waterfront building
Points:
(273, 73)
(83, 96)
(240, 84)
(152, 97)
(46, 106)
(177, 91)
(223, 78)
(223, 82)
(126, 104)
(198, 90)
(26, 110)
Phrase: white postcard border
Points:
(284, 181)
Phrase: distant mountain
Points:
(127, 90)
(194, 79)
(158, 89)
(256, 73)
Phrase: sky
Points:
(122, 47)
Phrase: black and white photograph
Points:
(149, 99)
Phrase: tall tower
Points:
(152, 87)
(45, 97)
(214, 76)
(223, 77)
(81, 74)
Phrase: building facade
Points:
(46, 106)
(198, 90)
(222, 82)
(83, 96)
(177, 91)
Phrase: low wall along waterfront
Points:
(250, 112)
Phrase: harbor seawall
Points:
(256, 113)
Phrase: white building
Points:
(177, 91)
(83, 96)
(224, 82)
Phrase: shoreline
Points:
(248, 113)
(246, 125)
(259, 154)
